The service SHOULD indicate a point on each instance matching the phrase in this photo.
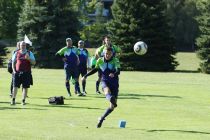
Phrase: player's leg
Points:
(15, 90)
(98, 83)
(111, 98)
(25, 92)
(67, 73)
(83, 72)
(16, 85)
(75, 76)
(11, 87)
(26, 82)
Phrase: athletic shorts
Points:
(99, 73)
(23, 78)
(71, 73)
(82, 71)
(114, 87)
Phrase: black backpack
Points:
(56, 100)
(9, 66)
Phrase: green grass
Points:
(188, 61)
(156, 106)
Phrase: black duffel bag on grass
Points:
(56, 100)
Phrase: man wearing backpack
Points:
(21, 65)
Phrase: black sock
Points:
(97, 85)
(11, 88)
(106, 113)
(23, 100)
(68, 87)
(13, 99)
(77, 88)
(83, 85)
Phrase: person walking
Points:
(21, 66)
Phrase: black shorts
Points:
(71, 73)
(113, 86)
(23, 78)
(82, 71)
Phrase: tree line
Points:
(167, 26)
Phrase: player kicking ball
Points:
(110, 68)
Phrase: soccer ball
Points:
(140, 48)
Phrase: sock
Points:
(13, 99)
(77, 88)
(68, 87)
(11, 88)
(108, 96)
(23, 100)
(83, 85)
(106, 113)
(97, 85)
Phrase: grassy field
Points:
(156, 106)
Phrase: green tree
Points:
(9, 13)
(145, 20)
(3, 51)
(94, 34)
(94, 27)
(184, 26)
(48, 23)
(203, 40)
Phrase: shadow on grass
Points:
(66, 106)
(186, 71)
(137, 96)
(182, 131)
(65, 98)
(20, 108)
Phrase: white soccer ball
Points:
(140, 48)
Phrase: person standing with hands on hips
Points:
(69, 55)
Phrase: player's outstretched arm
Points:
(89, 73)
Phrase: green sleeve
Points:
(117, 63)
(93, 61)
(62, 51)
(100, 49)
(98, 63)
(117, 49)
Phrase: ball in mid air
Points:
(140, 48)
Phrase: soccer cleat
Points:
(12, 102)
(69, 94)
(100, 121)
(79, 94)
(98, 92)
(113, 101)
(83, 94)
(23, 103)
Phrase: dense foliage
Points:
(203, 41)
(145, 20)
(48, 23)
